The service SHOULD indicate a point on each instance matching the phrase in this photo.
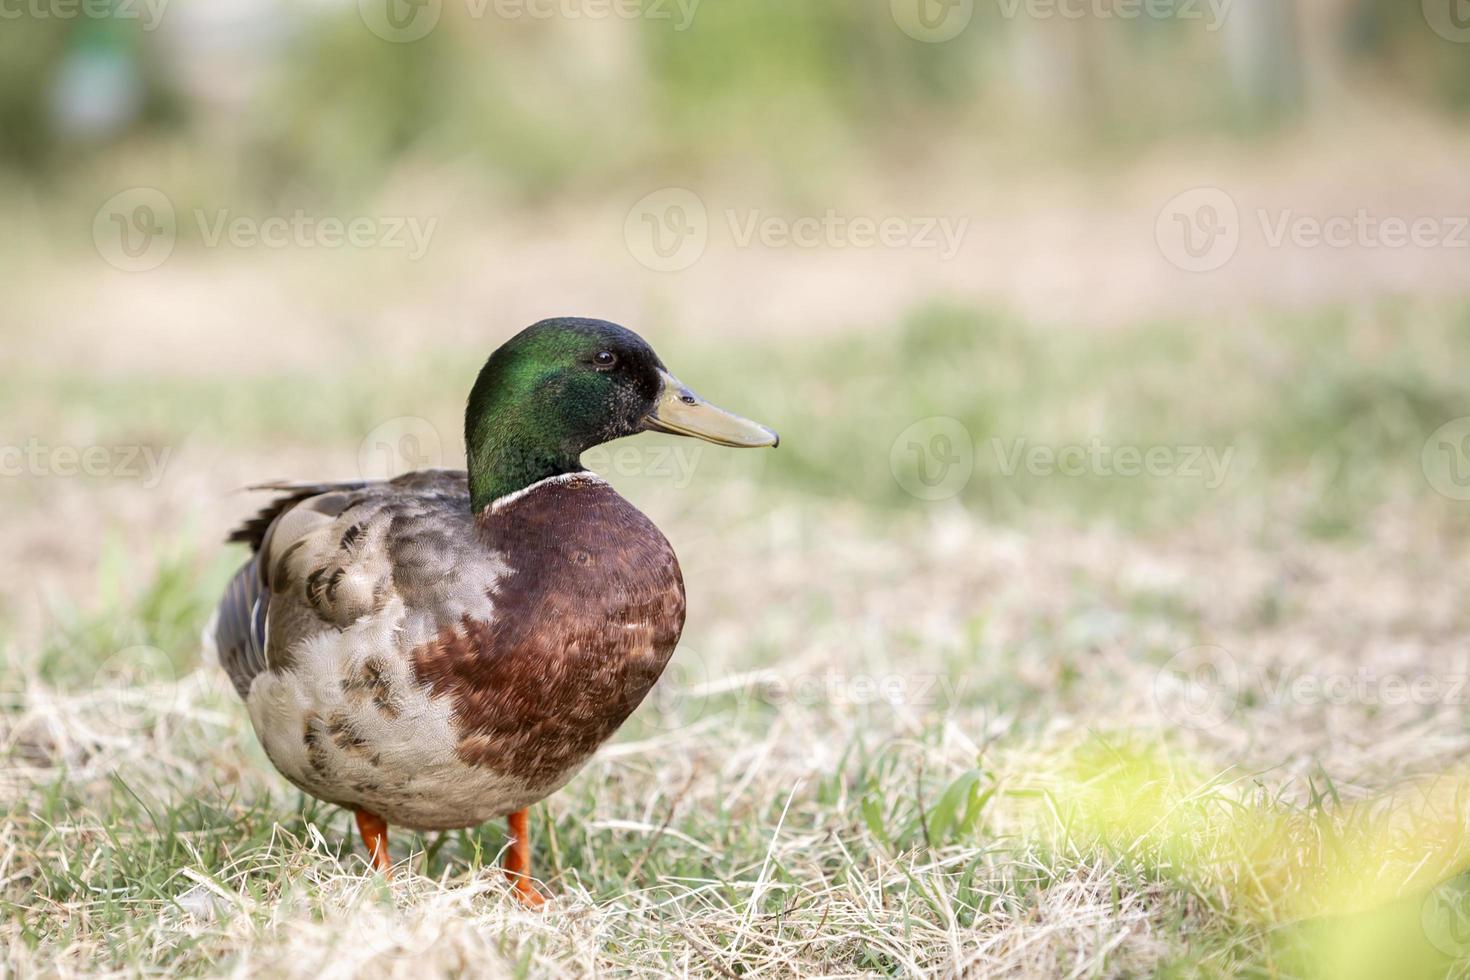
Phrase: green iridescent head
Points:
(562, 386)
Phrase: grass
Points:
(1326, 403)
(1031, 793)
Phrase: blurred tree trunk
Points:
(1264, 53)
(1061, 66)
(1328, 46)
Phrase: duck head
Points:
(562, 386)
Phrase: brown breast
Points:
(582, 627)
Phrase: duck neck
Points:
(512, 442)
(506, 455)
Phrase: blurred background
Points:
(1098, 332)
(1002, 188)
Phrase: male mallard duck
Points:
(448, 647)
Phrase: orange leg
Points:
(518, 860)
(374, 830)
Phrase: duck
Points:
(450, 647)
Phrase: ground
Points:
(960, 690)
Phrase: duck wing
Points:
(285, 542)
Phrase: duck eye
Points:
(605, 359)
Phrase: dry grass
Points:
(1042, 792)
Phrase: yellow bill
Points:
(683, 413)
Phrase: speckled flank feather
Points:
(399, 655)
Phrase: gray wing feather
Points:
(240, 631)
(241, 635)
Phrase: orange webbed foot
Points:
(374, 831)
(518, 861)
